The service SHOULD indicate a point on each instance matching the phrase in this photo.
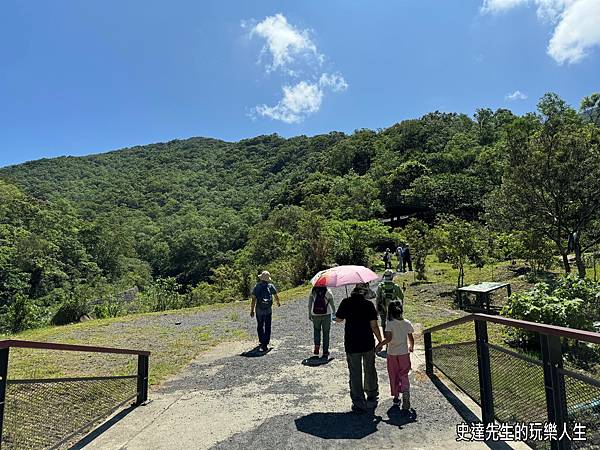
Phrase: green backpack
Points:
(388, 293)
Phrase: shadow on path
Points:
(462, 409)
(315, 361)
(255, 352)
(344, 425)
(101, 429)
(398, 417)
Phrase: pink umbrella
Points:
(343, 275)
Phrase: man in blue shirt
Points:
(262, 303)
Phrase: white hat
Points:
(265, 276)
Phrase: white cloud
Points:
(551, 10)
(497, 6)
(577, 28)
(298, 101)
(514, 96)
(294, 55)
(283, 41)
(334, 81)
(302, 99)
(577, 32)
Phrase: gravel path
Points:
(226, 401)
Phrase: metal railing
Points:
(513, 387)
(48, 412)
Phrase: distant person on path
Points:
(262, 302)
(387, 258)
(398, 332)
(320, 309)
(387, 292)
(399, 251)
(361, 324)
(406, 259)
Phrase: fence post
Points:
(3, 380)
(428, 354)
(142, 380)
(485, 372)
(554, 384)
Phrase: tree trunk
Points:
(566, 265)
(579, 259)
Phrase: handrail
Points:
(552, 330)
(140, 395)
(15, 343)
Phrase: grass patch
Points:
(172, 347)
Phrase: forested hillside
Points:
(202, 216)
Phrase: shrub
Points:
(71, 311)
(110, 306)
(569, 302)
(162, 295)
(22, 314)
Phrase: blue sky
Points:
(84, 77)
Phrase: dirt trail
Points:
(226, 401)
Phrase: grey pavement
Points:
(226, 401)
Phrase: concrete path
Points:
(226, 401)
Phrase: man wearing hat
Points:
(262, 303)
(360, 319)
(387, 292)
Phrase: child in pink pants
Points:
(400, 341)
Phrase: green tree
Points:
(419, 237)
(552, 183)
(590, 108)
(460, 242)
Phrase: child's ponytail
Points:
(395, 310)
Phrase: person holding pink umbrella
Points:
(361, 324)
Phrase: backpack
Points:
(388, 293)
(264, 297)
(320, 302)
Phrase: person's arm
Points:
(399, 293)
(252, 305)
(388, 338)
(411, 342)
(376, 330)
(273, 290)
(339, 314)
(332, 303)
(310, 303)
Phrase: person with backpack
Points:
(387, 258)
(320, 310)
(360, 319)
(406, 259)
(387, 292)
(400, 341)
(262, 302)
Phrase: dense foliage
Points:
(567, 302)
(192, 221)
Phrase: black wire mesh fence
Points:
(48, 410)
(583, 407)
(521, 387)
(518, 387)
(458, 362)
(46, 413)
